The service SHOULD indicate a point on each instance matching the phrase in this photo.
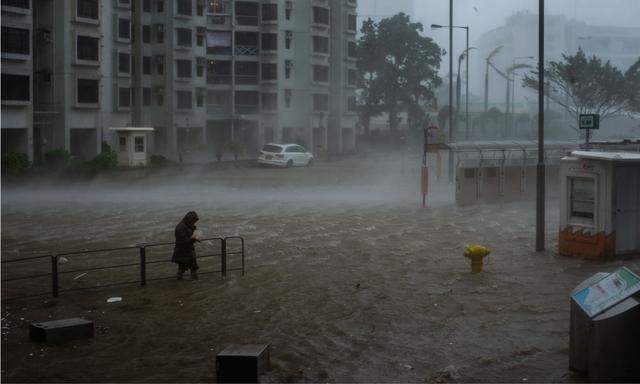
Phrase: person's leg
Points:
(181, 269)
(194, 270)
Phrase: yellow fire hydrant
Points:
(476, 253)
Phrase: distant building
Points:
(200, 72)
(380, 9)
(519, 38)
(17, 77)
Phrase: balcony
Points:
(247, 79)
(247, 109)
(219, 109)
(218, 79)
(247, 13)
(247, 50)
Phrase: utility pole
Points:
(233, 69)
(540, 179)
(466, 128)
(451, 127)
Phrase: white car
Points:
(285, 155)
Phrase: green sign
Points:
(590, 121)
(608, 291)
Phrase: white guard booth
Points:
(599, 204)
(131, 145)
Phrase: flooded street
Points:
(347, 278)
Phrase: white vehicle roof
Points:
(284, 145)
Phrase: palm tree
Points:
(491, 55)
(510, 77)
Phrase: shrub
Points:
(108, 159)
(15, 163)
(57, 158)
(158, 160)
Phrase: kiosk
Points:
(132, 145)
(599, 204)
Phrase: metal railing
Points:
(56, 271)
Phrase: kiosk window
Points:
(582, 198)
(139, 142)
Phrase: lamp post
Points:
(438, 26)
(540, 174)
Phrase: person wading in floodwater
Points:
(184, 253)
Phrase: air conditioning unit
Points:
(289, 5)
(289, 35)
(45, 35)
(201, 30)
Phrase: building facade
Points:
(17, 77)
(201, 73)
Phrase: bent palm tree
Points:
(491, 55)
(509, 77)
(464, 55)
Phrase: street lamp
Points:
(513, 85)
(438, 26)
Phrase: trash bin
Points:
(605, 347)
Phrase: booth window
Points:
(123, 143)
(139, 144)
(582, 198)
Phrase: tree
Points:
(494, 52)
(510, 78)
(399, 67)
(583, 85)
(464, 55)
(632, 80)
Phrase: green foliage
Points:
(398, 68)
(15, 163)
(158, 161)
(106, 160)
(57, 158)
(584, 85)
(632, 80)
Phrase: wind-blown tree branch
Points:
(508, 112)
(401, 67)
(463, 56)
(583, 85)
(632, 80)
(369, 63)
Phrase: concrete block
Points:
(59, 331)
(242, 363)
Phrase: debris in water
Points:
(114, 299)
(450, 372)
(80, 275)
(62, 260)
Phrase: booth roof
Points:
(132, 129)
(608, 156)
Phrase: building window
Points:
(352, 22)
(88, 91)
(320, 44)
(199, 8)
(321, 15)
(269, 12)
(146, 96)
(160, 33)
(200, 70)
(124, 29)
(269, 71)
(287, 98)
(288, 9)
(87, 48)
(200, 95)
(184, 7)
(288, 37)
(124, 97)
(146, 65)
(15, 40)
(288, 65)
(15, 87)
(351, 104)
(125, 2)
(160, 65)
(269, 41)
(122, 143)
(184, 99)
(352, 77)
(270, 101)
(217, 7)
(146, 34)
(160, 96)
(184, 68)
(200, 39)
(352, 49)
(582, 198)
(321, 73)
(146, 5)
(247, 12)
(184, 36)
(160, 6)
(138, 143)
(88, 9)
(124, 63)
(320, 102)
(24, 4)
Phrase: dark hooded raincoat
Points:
(184, 253)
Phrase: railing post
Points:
(223, 258)
(54, 275)
(143, 266)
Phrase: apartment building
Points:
(199, 72)
(17, 77)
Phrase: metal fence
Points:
(106, 264)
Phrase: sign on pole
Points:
(608, 291)
(591, 121)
